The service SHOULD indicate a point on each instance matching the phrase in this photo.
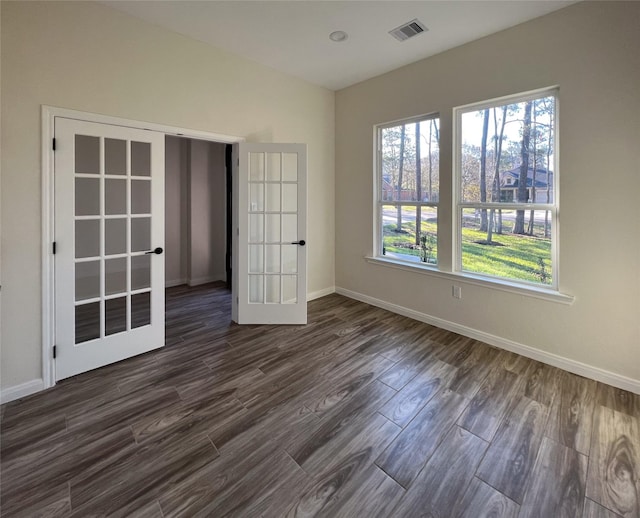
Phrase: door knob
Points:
(302, 242)
(156, 251)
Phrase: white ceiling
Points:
(293, 36)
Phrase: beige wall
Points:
(85, 56)
(592, 51)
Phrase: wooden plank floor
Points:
(360, 413)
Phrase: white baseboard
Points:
(204, 280)
(574, 366)
(174, 282)
(22, 390)
(321, 293)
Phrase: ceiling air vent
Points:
(408, 30)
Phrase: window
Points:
(408, 190)
(504, 207)
(505, 188)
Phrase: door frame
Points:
(48, 115)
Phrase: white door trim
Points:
(48, 114)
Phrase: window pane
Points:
(140, 159)
(115, 315)
(140, 272)
(273, 167)
(272, 230)
(501, 250)
(87, 238)
(115, 156)
(87, 154)
(87, 322)
(273, 197)
(273, 289)
(87, 196)
(115, 240)
(256, 259)
(256, 197)
(256, 228)
(256, 167)
(272, 258)
(115, 197)
(115, 280)
(289, 289)
(140, 197)
(87, 278)
(506, 153)
(289, 197)
(289, 228)
(402, 242)
(289, 258)
(256, 293)
(140, 234)
(410, 162)
(140, 310)
(289, 167)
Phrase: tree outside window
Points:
(408, 189)
(505, 190)
(505, 175)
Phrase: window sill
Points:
(476, 280)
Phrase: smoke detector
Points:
(338, 36)
(408, 30)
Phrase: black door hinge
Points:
(54, 144)
(54, 248)
(55, 351)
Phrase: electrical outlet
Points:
(456, 291)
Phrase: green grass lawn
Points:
(518, 257)
(404, 242)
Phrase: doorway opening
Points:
(198, 195)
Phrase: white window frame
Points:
(458, 205)
(378, 202)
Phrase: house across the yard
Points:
(541, 178)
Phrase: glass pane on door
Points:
(140, 310)
(115, 315)
(140, 272)
(289, 167)
(272, 289)
(273, 227)
(112, 235)
(115, 159)
(87, 322)
(115, 276)
(140, 197)
(289, 289)
(87, 154)
(87, 196)
(115, 196)
(87, 238)
(115, 236)
(87, 280)
(140, 159)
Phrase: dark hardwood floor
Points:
(360, 413)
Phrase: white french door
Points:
(270, 274)
(109, 235)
